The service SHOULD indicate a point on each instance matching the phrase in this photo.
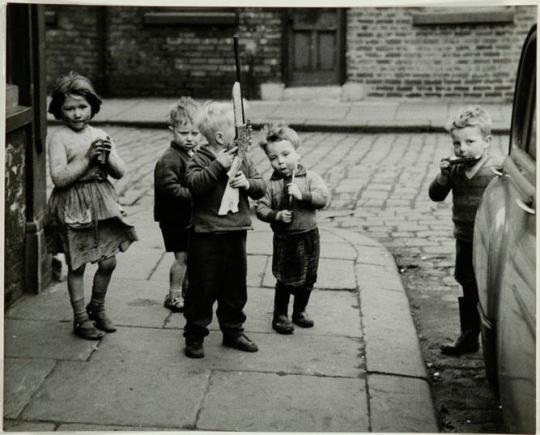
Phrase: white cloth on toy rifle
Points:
(230, 198)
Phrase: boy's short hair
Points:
(213, 116)
(271, 133)
(76, 84)
(185, 110)
(471, 116)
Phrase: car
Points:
(504, 257)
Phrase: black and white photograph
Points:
(270, 216)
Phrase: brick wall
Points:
(395, 58)
(386, 52)
(166, 59)
(72, 43)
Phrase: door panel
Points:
(315, 46)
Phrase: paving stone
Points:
(27, 426)
(387, 312)
(334, 313)
(289, 403)
(53, 304)
(22, 377)
(382, 277)
(400, 404)
(112, 393)
(317, 354)
(44, 339)
(374, 255)
(259, 243)
(131, 264)
(78, 427)
(344, 251)
(257, 265)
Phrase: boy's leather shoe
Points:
(282, 324)
(301, 319)
(240, 342)
(101, 320)
(466, 343)
(194, 349)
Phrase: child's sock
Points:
(79, 311)
(175, 292)
(97, 302)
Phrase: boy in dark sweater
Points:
(471, 138)
(172, 199)
(217, 261)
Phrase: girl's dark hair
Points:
(73, 83)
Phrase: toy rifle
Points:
(242, 140)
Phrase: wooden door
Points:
(314, 49)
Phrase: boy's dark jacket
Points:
(172, 199)
(206, 179)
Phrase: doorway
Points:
(314, 46)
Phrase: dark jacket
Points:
(172, 199)
(206, 179)
(315, 196)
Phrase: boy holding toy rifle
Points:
(221, 178)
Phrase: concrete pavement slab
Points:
(112, 393)
(22, 377)
(53, 305)
(334, 313)
(27, 426)
(399, 404)
(369, 111)
(387, 313)
(421, 111)
(269, 402)
(77, 427)
(383, 276)
(137, 263)
(294, 354)
(44, 339)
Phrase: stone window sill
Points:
(501, 15)
(192, 18)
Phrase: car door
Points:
(516, 317)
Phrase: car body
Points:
(505, 259)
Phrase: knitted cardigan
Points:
(315, 195)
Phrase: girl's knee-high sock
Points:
(79, 311)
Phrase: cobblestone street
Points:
(379, 186)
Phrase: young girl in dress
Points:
(84, 219)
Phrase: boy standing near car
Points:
(466, 175)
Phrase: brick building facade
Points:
(465, 53)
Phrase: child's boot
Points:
(194, 348)
(83, 328)
(469, 318)
(100, 318)
(300, 316)
(281, 323)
